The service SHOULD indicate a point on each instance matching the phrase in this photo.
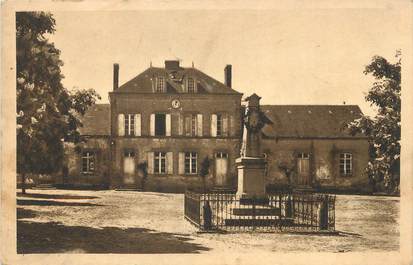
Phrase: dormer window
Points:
(160, 85)
(190, 85)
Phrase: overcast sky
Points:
(286, 56)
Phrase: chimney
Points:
(115, 76)
(228, 75)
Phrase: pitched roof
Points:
(142, 83)
(313, 121)
(96, 120)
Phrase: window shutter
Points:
(225, 125)
(180, 125)
(181, 163)
(187, 125)
(199, 123)
(231, 125)
(150, 163)
(152, 125)
(214, 125)
(138, 129)
(169, 163)
(121, 124)
(168, 124)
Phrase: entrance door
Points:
(129, 167)
(303, 169)
(221, 168)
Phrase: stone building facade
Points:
(170, 119)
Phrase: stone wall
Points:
(175, 182)
(205, 145)
(324, 161)
(73, 162)
(206, 104)
(109, 171)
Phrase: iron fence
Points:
(278, 211)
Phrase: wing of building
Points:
(168, 120)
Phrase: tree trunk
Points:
(24, 183)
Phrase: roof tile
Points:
(96, 120)
(142, 83)
(309, 120)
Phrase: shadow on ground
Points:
(25, 213)
(55, 196)
(54, 237)
(53, 203)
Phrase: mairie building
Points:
(168, 120)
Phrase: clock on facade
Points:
(176, 104)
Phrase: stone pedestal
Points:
(251, 178)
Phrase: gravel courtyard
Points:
(66, 221)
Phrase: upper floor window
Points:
(129, 124)
(346, 164)
(88, 162)
(190, 85)
(160, 84)
(193, 124)
(219, 125)
(160, 124)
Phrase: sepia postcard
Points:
(206, 132)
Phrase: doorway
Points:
(303, 169)
(221, 168)
(129, 167)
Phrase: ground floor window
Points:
(346, 164)
(160, 162)
(88, 162)
(191, 162)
